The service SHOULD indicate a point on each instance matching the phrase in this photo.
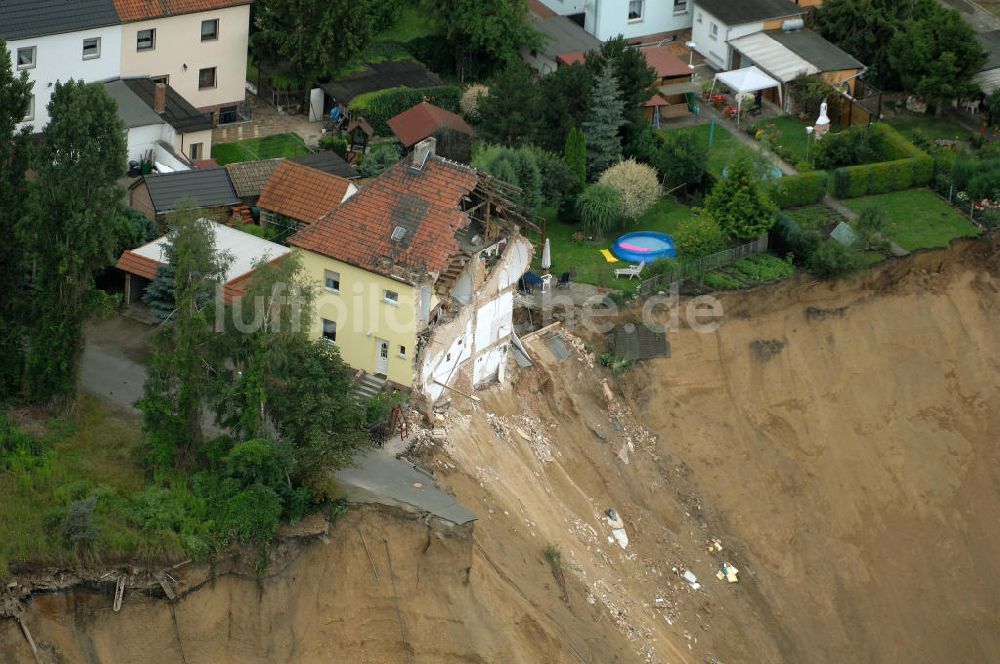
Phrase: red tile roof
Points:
(302, 192)
(139, 10)
(666, 64)
(657, 100)
(425, 119)
(139, 265)
(572, 58)
(425, 203)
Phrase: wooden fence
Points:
(702, 265)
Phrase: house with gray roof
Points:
(163, 129)
(210, 190)
(718, 22)
(56, 40)
(563, 42)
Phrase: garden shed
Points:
(454, 135)
(564, 42)
(159, 194)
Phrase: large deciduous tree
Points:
(509, 114)
(70, 230)
(307, 39)
(681, 159)
(865, 28)
(184, 355)
(15, 97)
(566, 95)
(492, 30)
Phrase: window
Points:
(713, 30)
(330, 330)
(26, 57)
(30, 115)
(210, 30)
(391, 297)
(331, 281)
(402, 351)
(206, 78)
(145, 40)
(680, 6)
(699, 17)
(195, 150)
(635, 8)
(163, 78)
(92, 48)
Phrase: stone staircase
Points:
(367, 386)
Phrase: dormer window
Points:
(398, 233)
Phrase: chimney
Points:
(160, 97)
(423, 151)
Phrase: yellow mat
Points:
(608, 256)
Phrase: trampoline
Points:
(644, 246)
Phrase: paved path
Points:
(112, 370)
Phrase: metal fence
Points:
(702, 265)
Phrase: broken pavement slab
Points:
(377, 478)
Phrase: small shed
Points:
(250, 177)
(563, 42)
(360, 133)
(210, 189)
(454, 135)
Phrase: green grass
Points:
(929, 127)
(724, 145)
(88, 454)
(815, 217)
(265, 147)
(412, 21)
(789, 139)
(749, 271)
(918, 219)
(586, 258)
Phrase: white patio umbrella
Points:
(748, 79)
(546, 255)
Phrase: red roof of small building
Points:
(425, 119)
(657, 100)
(572, 58)
(666, 64)
(424, 204)
(302, 192)
(361, 124)
(140, 10)
(140, 265)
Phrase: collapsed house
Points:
(417, 273)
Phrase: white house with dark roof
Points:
(718, 22)
(56, 40)
(636, 20)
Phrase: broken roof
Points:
(302, 193)
(381, 76)
(250, 177)
(140, 10)
(732, 12)
(425, 119)
(209, 187)
(420, 208)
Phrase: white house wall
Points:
(142, 141)
(440, 367)
(60, 58)
(606, 19)
(717, 51)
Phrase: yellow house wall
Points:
(836, 77)
(182, 143)
(178, 43)
(362, 315)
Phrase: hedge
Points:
(797, 190)
(378, 107)
(908, 167)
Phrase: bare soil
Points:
(838, 440)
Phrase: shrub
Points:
(797, 190)
(78, 528)
(764, 267)
(699, 236)
(379, 157)
(336, 143)
(832, 259)
(853, 146)
(257, 461)
(738, 203)
(880, 178)
(718, 281)
(900, 174)
(923, 170)
(850, 181)
(681, 159)
(251, 516)
(599, 208)
(379, 106)
(636, 185)
(788, 236)
(516, 166)
(469, 102)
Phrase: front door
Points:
(381, 357)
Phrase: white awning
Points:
(748, 79)
(781, 62)
(988, 80)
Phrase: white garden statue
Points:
(822, 122)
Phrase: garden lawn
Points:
(586, 258)
(929, 126)
(724, 145)
(918, 218)
(265, 147)
(790, 134)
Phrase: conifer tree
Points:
(575, 154)
(604, 145)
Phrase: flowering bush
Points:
(469, 103)
(636, 184)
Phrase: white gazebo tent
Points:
(748, 79)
